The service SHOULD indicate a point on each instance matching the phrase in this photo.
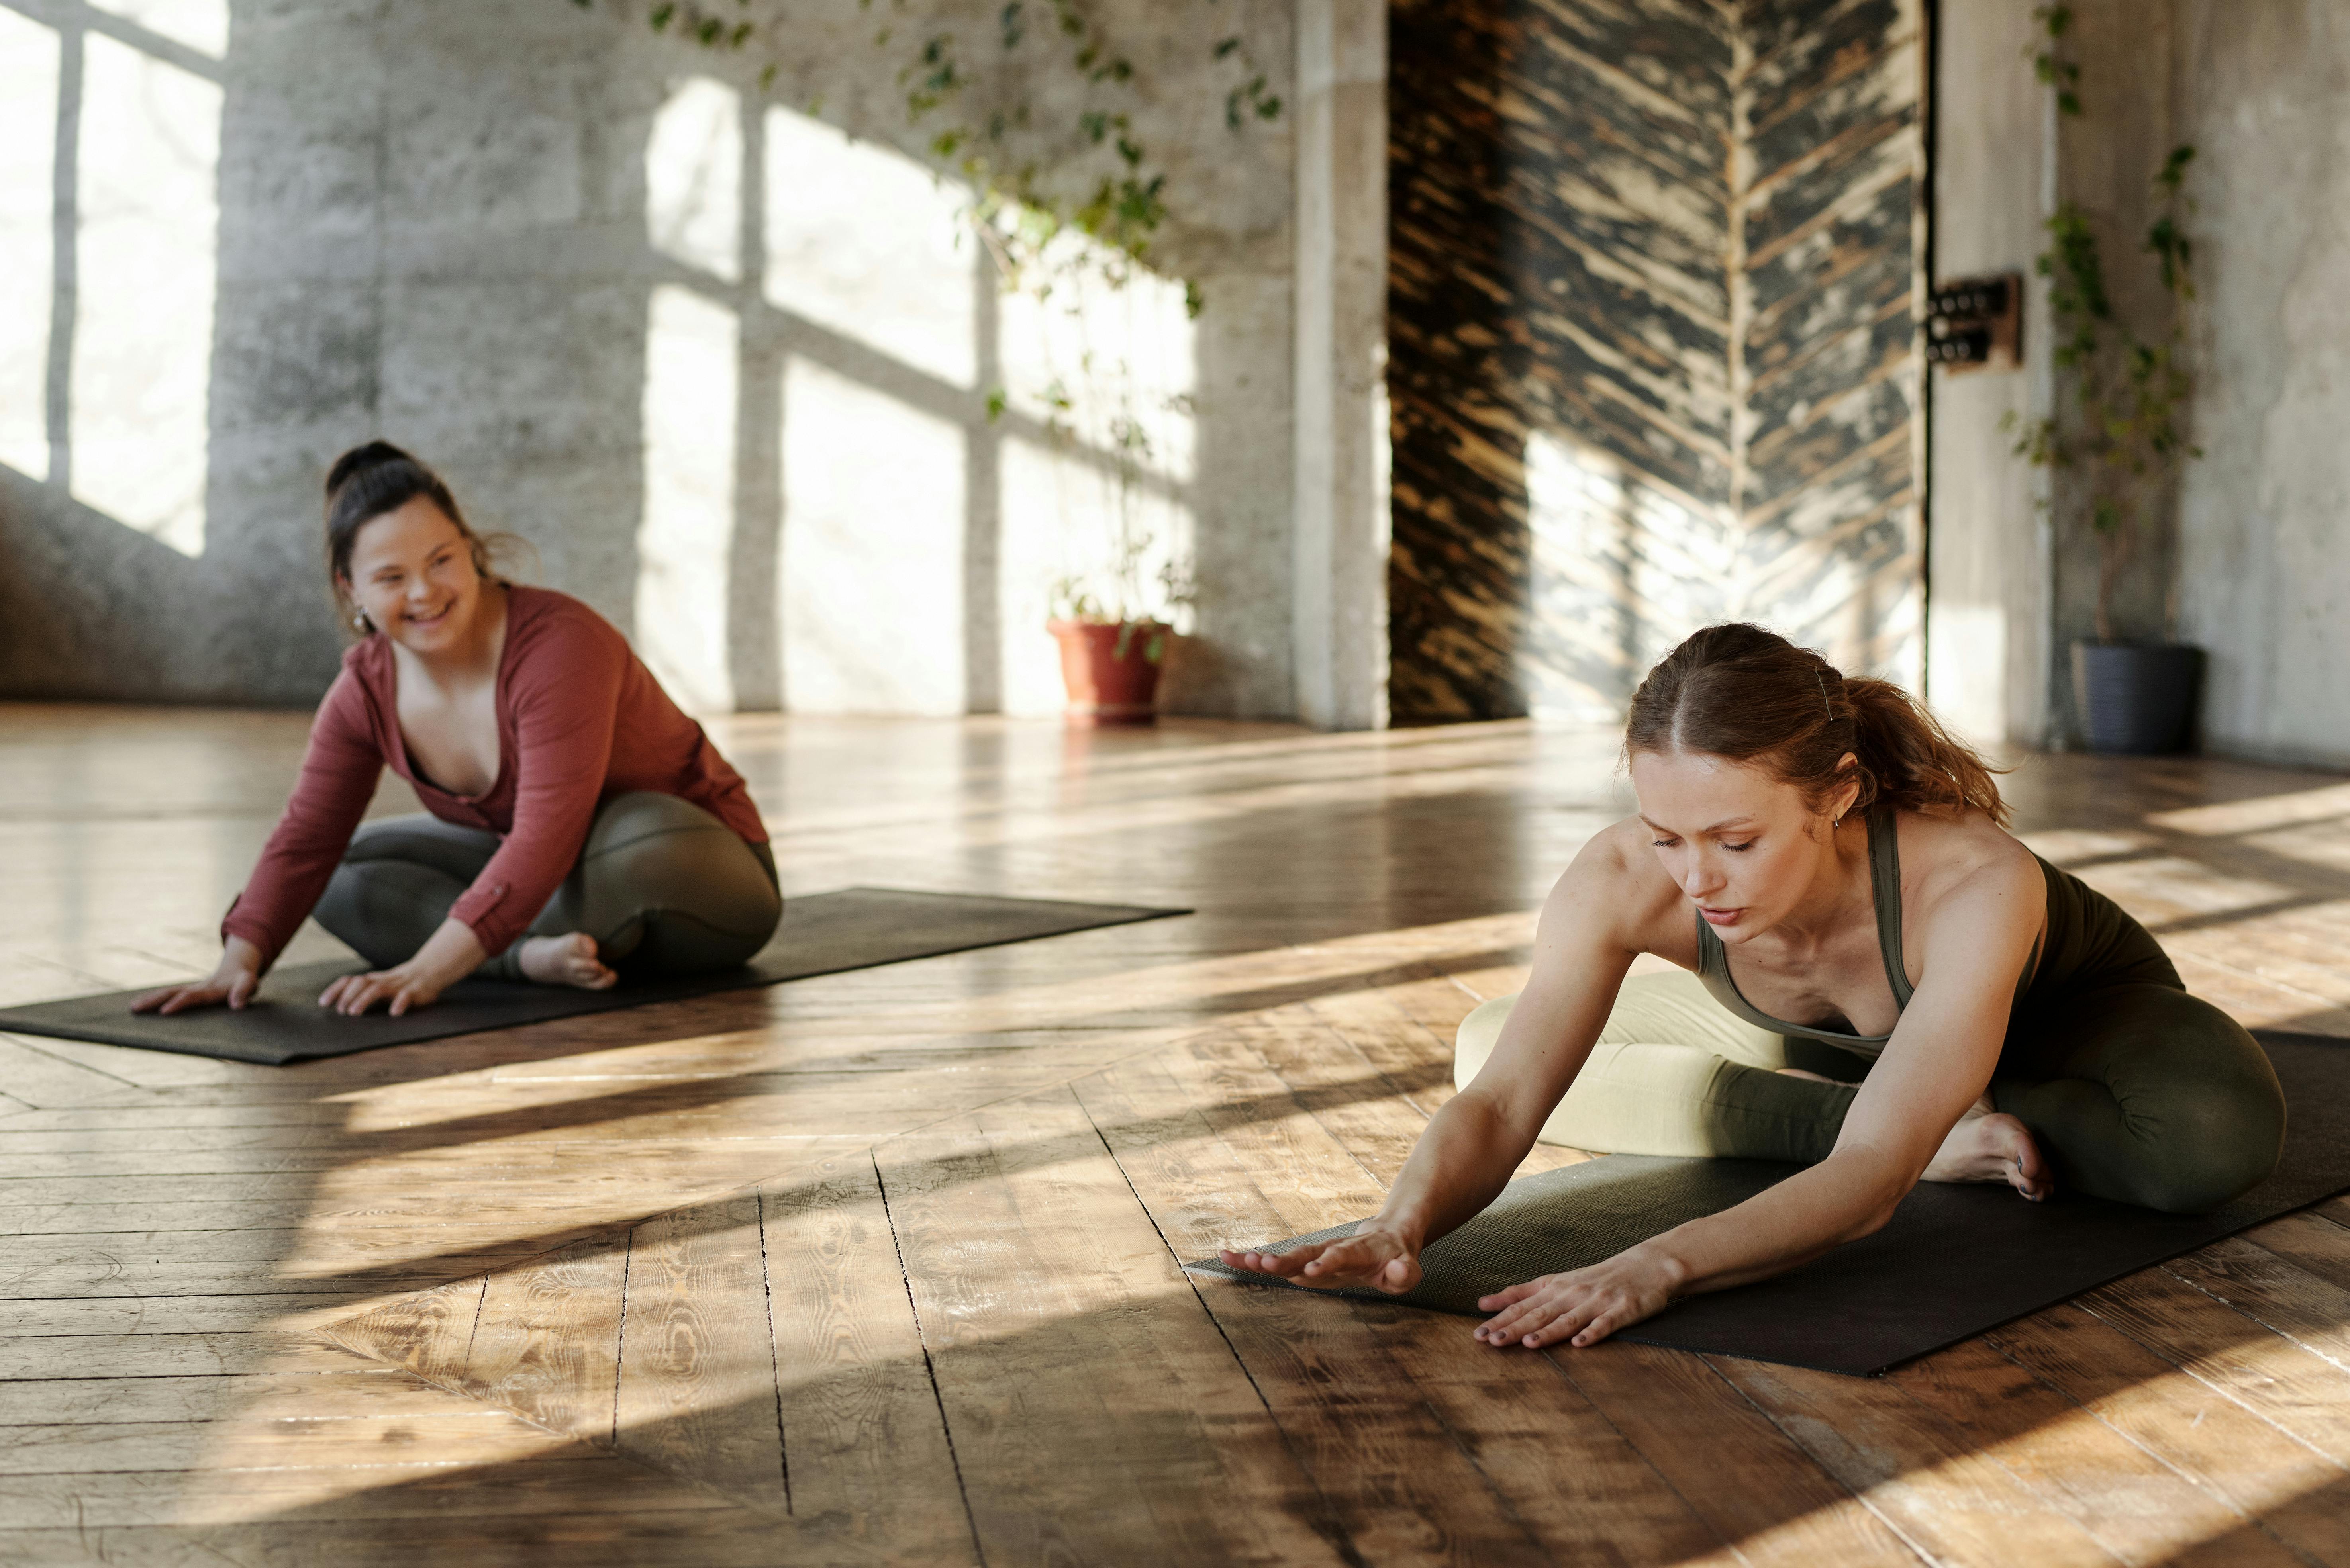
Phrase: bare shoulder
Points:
(1967, 860)
(1615, 890)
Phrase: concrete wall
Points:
(725, 369)
(2263, 91)
(2250, 558)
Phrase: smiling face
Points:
(411, 571)
(1745, 848)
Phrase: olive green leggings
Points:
(663, 886)
(2136, 1092)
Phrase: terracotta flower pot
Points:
(1110, 684)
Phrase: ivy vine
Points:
(1014, 204)
(2126, 429)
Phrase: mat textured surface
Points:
(1955, 1260)
(823, 933)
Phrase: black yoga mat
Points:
(823, 933)
(1955, 1260)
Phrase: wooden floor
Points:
(881, 1267)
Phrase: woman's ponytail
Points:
(1918, 764)
(1749, 695)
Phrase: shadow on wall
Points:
(828, 347)
(858, 468)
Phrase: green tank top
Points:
(2090, 940)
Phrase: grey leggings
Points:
(663, 886)
(2135, 1092)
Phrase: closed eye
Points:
(1748, 845)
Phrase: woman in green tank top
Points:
(1872, 977)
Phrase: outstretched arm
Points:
(1476, 1139)
(341, 767)
(1940, 1057)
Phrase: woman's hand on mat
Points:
(448, 956)
(235, 981)
(404, 988)
(1584, 1307)
(1382, 1258)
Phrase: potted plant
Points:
(1110, 664)
(1111, 655)
(2123, 440)
(1100, 388)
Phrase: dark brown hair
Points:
(368, 481)
(1749, 695)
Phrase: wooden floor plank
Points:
(547, 1339)
(865, 1444)
(465, 1439)
(39, 1358)
(428, 1332)
(2131, 1501)
(1058, 1325)
(2276, 1379)
(383, 1490)
(648, 1537)
(1741, 1473)
(697, 1364)
(1920, 1474)
(1380, 1445)
(2266, 1475)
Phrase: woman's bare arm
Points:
(1476, 1139)
(1977, 938)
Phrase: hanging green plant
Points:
(1017, 209)
(2125, 431)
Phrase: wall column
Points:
(1989, 617)
(1339, 593)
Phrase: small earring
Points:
(360, 624)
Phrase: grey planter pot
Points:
(2137, 700)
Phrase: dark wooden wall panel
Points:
(1651, 360)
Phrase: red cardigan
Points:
(580, 720)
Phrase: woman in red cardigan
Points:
(581, 827)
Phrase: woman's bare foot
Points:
(567, 960)
(1988, 1146)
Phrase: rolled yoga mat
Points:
(1955, 1260)
(823, 933)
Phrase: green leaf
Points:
(1224, 49)
(661, 16)
(1014, 27)
(1194, 301)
